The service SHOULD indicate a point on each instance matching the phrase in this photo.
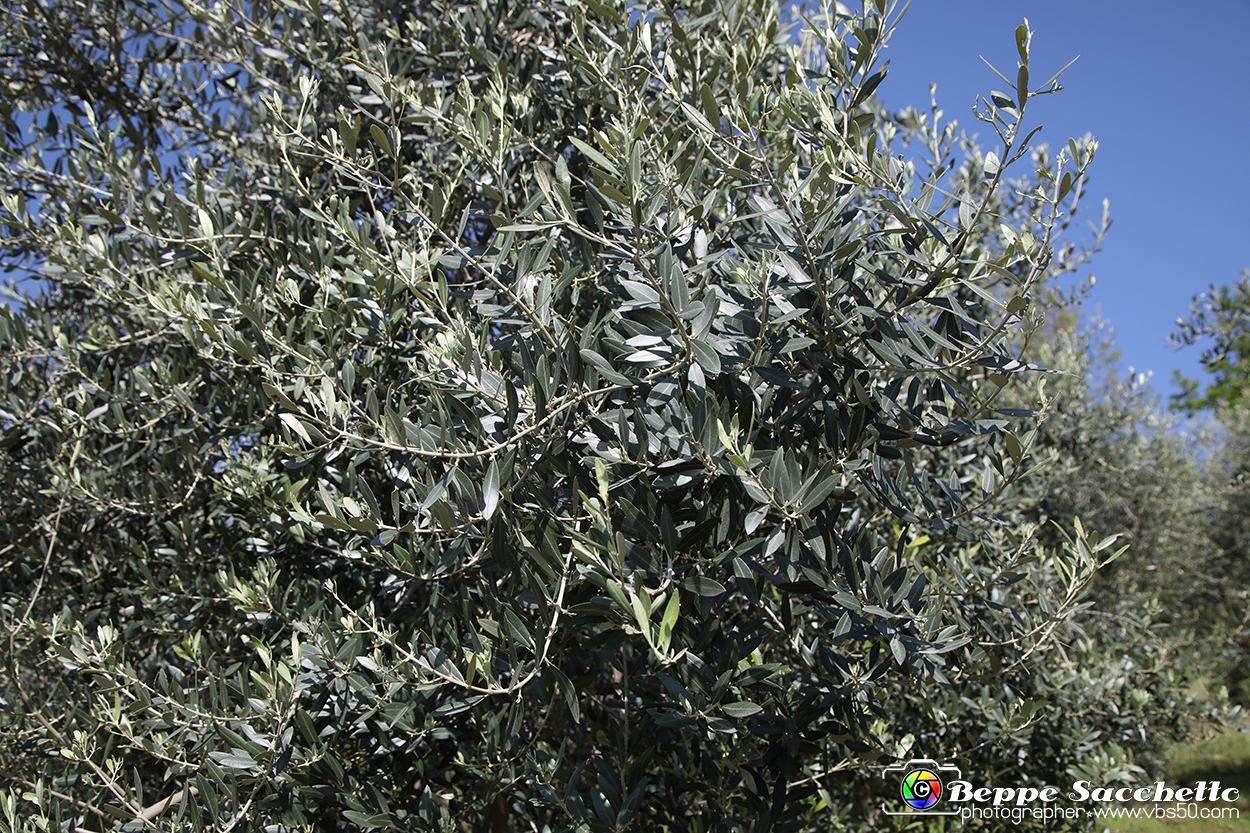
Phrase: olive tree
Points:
(500, 415)
(1218, 315)
(1218, 319)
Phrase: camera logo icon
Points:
(921, 786)
(922, 789)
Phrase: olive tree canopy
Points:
(560, 415)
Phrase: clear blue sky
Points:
(1165, 88)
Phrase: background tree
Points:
(1121, 462)
(492, 415)
(1221, 316)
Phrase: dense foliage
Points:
(501, 416)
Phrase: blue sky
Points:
(1165, 89)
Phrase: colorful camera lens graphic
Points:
(922, 789)
(921, 782)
